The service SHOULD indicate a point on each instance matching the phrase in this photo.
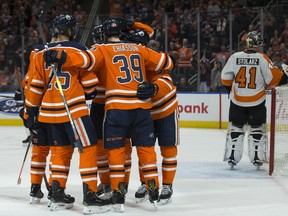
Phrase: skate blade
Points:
(118, 207)
(165, 201)
(60, 206)
(88, 210)
(139, 200)
(231, 165)
(155, 205)
(34, 200)
(49, 203)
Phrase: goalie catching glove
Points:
(147, 90)
(55, 56)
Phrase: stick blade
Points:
(46, 8)
(19, 181)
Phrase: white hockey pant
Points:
(234, 143)
(257, 144)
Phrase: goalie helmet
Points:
(139, 36)
(254, 40)
(97, 34)
(111, 27)
(62, 23)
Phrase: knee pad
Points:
(234, 143)
(257, 143)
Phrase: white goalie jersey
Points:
(248, 75)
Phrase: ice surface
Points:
(204, 185)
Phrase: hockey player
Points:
(246, 75)
(125, 114)
(124, 66)
(76, 82)
(97, 116)
(165, 117)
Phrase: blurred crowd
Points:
(174, 23)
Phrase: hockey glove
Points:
(124, 24)
(32, 119)
(146, 90)
(91, 96)
(55, 56)
(21, 114)
(18, 95)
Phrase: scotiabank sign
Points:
(203, 107)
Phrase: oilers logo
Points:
(10, 106)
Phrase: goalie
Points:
(246, 76)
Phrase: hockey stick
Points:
(40, 22)
(18, 75)
(6, 96)
(26, 153)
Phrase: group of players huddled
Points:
(134, 102)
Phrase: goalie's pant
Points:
(255, 118)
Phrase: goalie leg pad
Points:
(258, 144)
(234, 143)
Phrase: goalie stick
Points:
(40, 22)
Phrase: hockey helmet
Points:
(254, 40)
(139, 36)
(62, 23)
(111, 27)
(97, 34)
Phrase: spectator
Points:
(216, 85)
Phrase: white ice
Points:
(204, 185)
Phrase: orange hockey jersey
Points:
(165, 102)
(76, 82)
(124, 67)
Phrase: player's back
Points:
(124, 68)
(250, 73)
(75, 82)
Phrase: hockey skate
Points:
(104, 190)
(49, 197)
(166, 194)
(93, 204)
(35, 194)
(59, 199)
(141, 194)
(118, 198)
(153, 192)
(231, 163)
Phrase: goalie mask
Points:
(111, 27)
(61, 25)
(254, 40)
